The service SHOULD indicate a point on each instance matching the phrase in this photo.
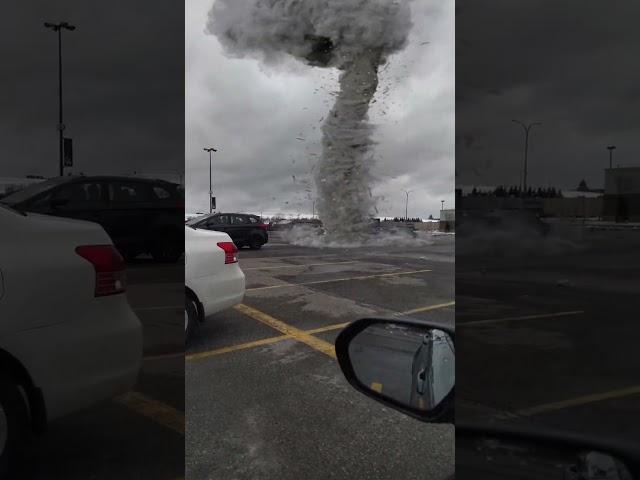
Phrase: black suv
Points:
(244, 230)
(140, 215)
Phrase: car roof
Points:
(230, 213)
(123, 178)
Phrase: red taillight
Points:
(264, 226)
(109, 267)
(230, 251)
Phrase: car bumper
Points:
(92, 358)
(220, 292)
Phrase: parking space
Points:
(550, 339)
(265, 395)
(139, 435)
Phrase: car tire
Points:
(14, 424)
(190, 318)
(255, 243)
(167, 250)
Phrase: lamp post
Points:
(611, 148)
(406, 205)
(58, 27)
(526, 128)
(210, 150)
(441, 205)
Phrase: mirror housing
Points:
(442, 411)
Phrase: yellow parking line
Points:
(157, 411)
(258, 343)
(576, 402)
(428, 308)
(301, 265)
(525, 317)
(328, 328)
(318, 282)
(296, 333)
(235, 348)
(165, 356)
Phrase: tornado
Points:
(354, 36)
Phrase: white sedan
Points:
(213, 279)
(68, 337)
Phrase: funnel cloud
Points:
(354, 36)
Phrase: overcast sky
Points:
(253, 115)
(124, 86)
(571, 65)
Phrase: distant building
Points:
(622, 194)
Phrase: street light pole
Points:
(611, 148)
(442, 205)
(57, 27)
(406, 205)
(210, 150)
(526, 128)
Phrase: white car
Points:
(213, 279)
(68, 337)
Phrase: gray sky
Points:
(253, 114)
(571, 65)
(123, 77)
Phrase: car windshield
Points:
(33, 190)
(194, 221)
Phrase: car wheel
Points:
(190, 318)
(13, 423)
(167, 250)
(255, 243)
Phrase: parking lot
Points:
(551, 339)
(139, 435)
(265, 396)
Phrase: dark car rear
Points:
(140, 215)
(244, 229)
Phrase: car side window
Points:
(161, 193)
(217, 221)
(129, 192)
(238, 220)
(253, 220)
(211, 221)
(75, 195)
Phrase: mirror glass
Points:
(409, 364)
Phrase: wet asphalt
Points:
(282, 409)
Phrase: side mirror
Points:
(408, 365)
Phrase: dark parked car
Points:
(140, 215)
(244, 230)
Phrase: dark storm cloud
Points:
(257, 114)
(123, 86)
(570, 65)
